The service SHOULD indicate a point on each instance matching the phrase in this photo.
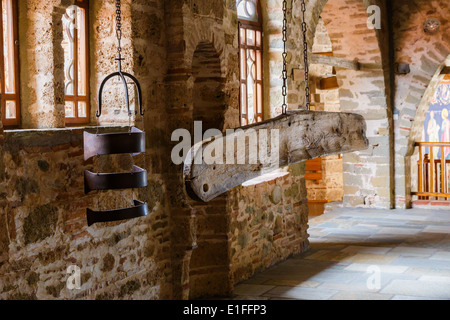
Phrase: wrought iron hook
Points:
(122, 75)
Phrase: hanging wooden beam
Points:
(344, 63)
(285, 140)
(420, 170)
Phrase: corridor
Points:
(364, 254)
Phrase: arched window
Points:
(76, 62)
(250, 55)
(9, 64)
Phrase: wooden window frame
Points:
(12, 20)
(257, 26)
(76, 98)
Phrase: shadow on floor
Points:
(410, 251)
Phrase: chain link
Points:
(305, 57)
(119, 26)
(119, 51)
(284, 90)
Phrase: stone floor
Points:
(364, 254)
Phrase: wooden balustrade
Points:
(432, 171)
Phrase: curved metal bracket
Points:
(114, 143)
(122, 75)
(140, 209)
(137, 178)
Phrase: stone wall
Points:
(185, 249)
(43, 205)
(276, 204)
(42, 61)
(269, 222)
(366, 173)
(44, 229)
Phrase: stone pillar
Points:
(42, 61)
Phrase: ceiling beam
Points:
(344, 63)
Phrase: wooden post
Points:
(431, 170)
(442, 170)
(420, 170)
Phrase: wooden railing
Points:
(432, 171)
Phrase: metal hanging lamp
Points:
(131, 142)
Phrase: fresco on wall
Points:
(437, 122)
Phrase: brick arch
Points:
(209, 262)
(198, 34)
(419, 119)
(417, 129)
(425, 54)
(200, 252)
(346, 21)
(368, 178)
(362, 44)
(207, 93)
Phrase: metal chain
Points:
(119, 46)
(119, 26)
(305, 57)
(284, 90)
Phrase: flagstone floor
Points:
(364, 254)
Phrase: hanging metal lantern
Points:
(131, 142)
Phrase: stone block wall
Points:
(42, 59)
(366, 180)
(44, 229)
(269, 222)
(43, 210)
